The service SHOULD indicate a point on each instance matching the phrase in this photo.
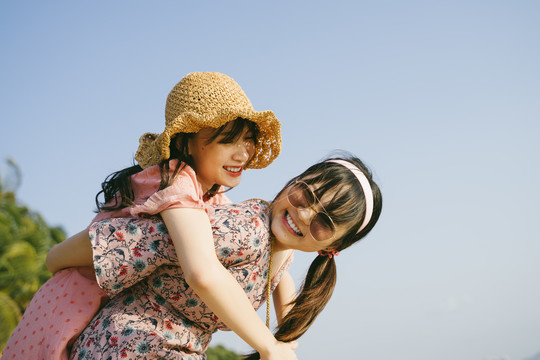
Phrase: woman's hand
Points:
(281, 351)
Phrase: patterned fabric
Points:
(75, 291)
(160, 316)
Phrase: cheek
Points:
(280, 233)
(251, 151)
(276, 226)
(273, 226)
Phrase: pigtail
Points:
(313, 297)
(308, 304)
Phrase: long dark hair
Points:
(347, 207)
(117, 189)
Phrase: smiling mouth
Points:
(234, 170)
(292, 225)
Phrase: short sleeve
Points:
(184, 192)
(126, 250)
(219, 199)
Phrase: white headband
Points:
(366, 187)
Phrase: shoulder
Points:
(183, 192)
(252, 207)
(253, 211)
(181, 169)
(219, 199)
(151, 176)
(184, 177)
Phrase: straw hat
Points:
(209, 99)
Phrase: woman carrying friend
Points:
(154, 313)
(212, 134)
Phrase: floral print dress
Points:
(67, 302)
(153, 313)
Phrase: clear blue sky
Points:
(440, 98)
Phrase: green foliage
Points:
(25, 239)
(220, 353)
(10, 315)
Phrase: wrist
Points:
(266, 349)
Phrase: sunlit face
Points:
(302, 227)
(217, 162)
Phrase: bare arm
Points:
(74, 251)
(284, 293)
(191, 234)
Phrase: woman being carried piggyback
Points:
(212, 133)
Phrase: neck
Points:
(276, 246)
(205, 187)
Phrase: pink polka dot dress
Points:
(57, 314)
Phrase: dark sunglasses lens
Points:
(321, 227)
(300, 196)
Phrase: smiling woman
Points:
(219, 156)
(154, 311)
(212, 133)
(309, 211)
(316, 208)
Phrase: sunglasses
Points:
(300, 196)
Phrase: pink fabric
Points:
(184, 192)
(34, 338)
(57, 314)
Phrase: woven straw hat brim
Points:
(154, 148)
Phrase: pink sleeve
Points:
(184, 192)
(219, 199)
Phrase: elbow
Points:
(201, 280)
(49, 261)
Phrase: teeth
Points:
(292, 224)
(233, 169)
